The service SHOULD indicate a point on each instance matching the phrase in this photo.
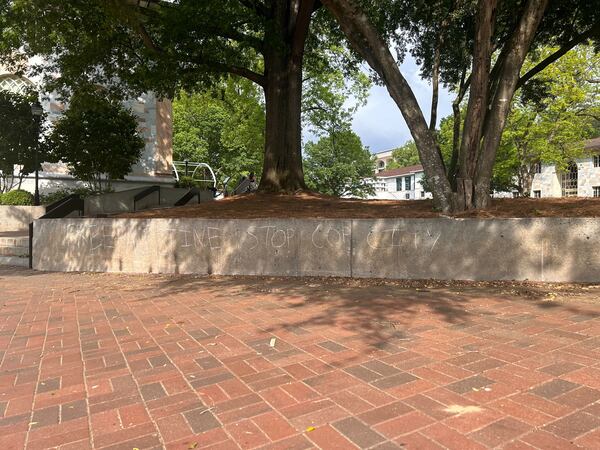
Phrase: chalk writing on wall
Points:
(329, 236)
(401, 237)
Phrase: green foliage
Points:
(16, 197)
(550, 120)
(337, 165)
(332, 97)
(223, 127)
(406, 155)
(19, 132)
(97, 138)
(185, 182)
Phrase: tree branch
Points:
(242, 72)
(257, 6)
(594, 31)
(147, 39)
(301, 24)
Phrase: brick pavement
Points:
(126, 362)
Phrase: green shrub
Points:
(186, 182)
(62, 193)
(16, 198)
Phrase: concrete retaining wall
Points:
(13, 218)
(547, 249)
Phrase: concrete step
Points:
(14, 245)
(22, 261)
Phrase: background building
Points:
(154, 124)
(580, 179)
(382, 160)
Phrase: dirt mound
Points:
(309, 205)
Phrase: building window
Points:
(407, 196)
(596, 160)
(407, 183)
(399, 183)
(596, 191)
(537, 167)
(515, 194)
(537, 194)
(422, 194)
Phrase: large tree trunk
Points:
(518, 46)
(368, 42)
(478, 96)
(282, 165)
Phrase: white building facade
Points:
(405, 183)
(580, 179)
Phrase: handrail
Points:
(66, 207)
(53, 205)
(188, 196)
(145, 193)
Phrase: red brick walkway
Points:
(112, 361)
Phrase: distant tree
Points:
(18, 139)
(223, 126)
(406, 155)
(97, 138)
(338, 164)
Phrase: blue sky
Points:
(380, 124)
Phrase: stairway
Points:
(14, 248)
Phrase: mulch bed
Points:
(308, 205)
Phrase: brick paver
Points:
(124, 362)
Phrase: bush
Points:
(189, 183)
(16, 198)
(185, 182)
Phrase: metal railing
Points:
(145, 193)
(193, 192)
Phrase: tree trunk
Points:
(527, 181)
(478, 98)
(435, 84)
(368, 42)
(282, 164)
(519, 44)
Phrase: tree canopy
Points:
(476, 47)
(550, 118)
